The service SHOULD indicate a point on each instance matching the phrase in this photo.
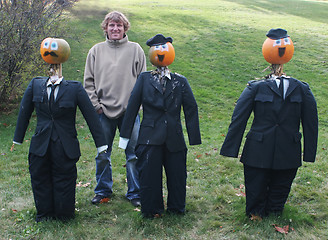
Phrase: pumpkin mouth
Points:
(281, 51)
(160, 57)
(50, 53)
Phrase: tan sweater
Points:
(111, 70)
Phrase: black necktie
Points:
(163, 82)
(281, 87)
(52, 96)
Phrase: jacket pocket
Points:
(66, 104)
(148, 123)
(296, 104)
(38, 99)
(255, 136)
(296, 99)
(262, 103)
(263, 98)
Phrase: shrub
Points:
(24, 24)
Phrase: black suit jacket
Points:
(161, 121)
(70, 95)
(274, 140)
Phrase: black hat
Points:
(158, 39)
(277, 33)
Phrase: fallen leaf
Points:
(283, 229)
(14, 210)
(86, 184)
(5, 124)
(79, 184)
(241, 194)
(255, 218)
(137, 209)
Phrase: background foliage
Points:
(218, 48)
(24, 23)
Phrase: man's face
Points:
(115, 30)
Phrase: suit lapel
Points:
(170, 85)
(62, 89)
(156, 83)
(274, 87)
(292, 86)
(44, 93)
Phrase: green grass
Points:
(218, 48)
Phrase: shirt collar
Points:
(53, 78)
(162, 72)
(277, 77)
(116, 43)
(167, 73)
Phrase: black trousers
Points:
(53, 179)
(151, 159)
(267, 190)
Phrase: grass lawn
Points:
(218, 48)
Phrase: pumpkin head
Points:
(161, 52)
(162, 55)
(278, 48)
(55, 50)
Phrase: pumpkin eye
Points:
(46, 44)
(277, 42)
(286, 41)
(158, 47)
(165, 47)
(54, 46)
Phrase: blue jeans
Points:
(103, 161)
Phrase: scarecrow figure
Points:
(272, 152)
(161, 141)
(54, 148)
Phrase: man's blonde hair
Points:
(116, 17)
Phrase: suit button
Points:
(165, 122)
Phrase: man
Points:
(54, 148)
(162, 94)
(272, 151)
(111, 70)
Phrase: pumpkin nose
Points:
(281, 51)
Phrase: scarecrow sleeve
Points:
(24, 115)
(240, 116)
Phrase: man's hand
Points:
(123, 143)
(100, 111)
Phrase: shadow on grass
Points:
(312, 10)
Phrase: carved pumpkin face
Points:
(162, 55)
(55, 50)
(278, 51)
